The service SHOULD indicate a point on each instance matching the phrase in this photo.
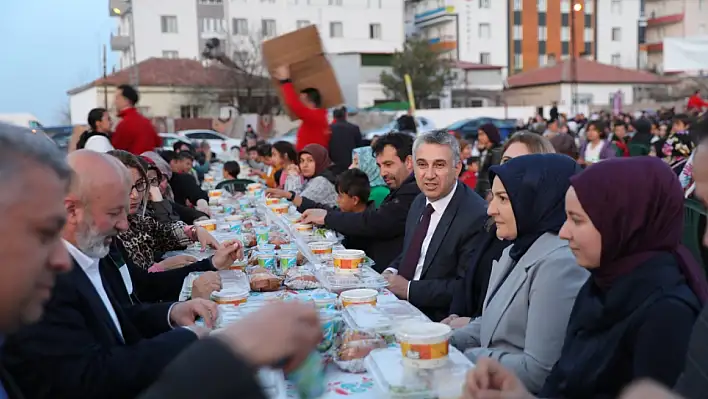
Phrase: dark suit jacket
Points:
(693, 383)
(382, 228)
(8, 383)
(206, 370)
(452, 246)
(345, 138)
(75, 350)
(185, 187)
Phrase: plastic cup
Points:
(266, 248)
(348, 260)
(328, 323)
(215, 193)
(325, 300)
(309, 378)
(244, 203)
(286, 260)
(279, 209)
(321, 248)
(272, 201)
(262, 234)
(361, 296)
(303, 228)
(266, 260)
(238, 265)
(230, 297)
(254, 187)
(424, 345)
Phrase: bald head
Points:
(93, 171)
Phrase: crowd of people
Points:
(555, 255)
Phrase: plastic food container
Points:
(234, 218)
(321, 248)
(266, 260)
(361, 296)
(209, 178)
(209, 224)
(215, 193)
(324, 300)
(396, 381)
(232, 296)
(348, 260)
(288, 247)
(424, 345)
(327, 321)
(293, 217)
(216, 209)
(365, 277)
(249, 212)
(236, 226)
(266, 248)
(238, 265)
(214, 200)
(229, 209)
(244, 203)
(253, 187)
(272, 201)
(262, 234)
(279, 209)
(287, 259)
(304, 228)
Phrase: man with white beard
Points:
(93, 342)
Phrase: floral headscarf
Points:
(367, 164)
(677, 148)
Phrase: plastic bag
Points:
(262, 280)
(353, 349)
(300, 278)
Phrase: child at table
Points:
(353, 191)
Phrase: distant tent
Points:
(390, 106)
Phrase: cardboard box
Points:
(302, 50)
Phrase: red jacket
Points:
(135, 133)
(469, 178)
(314, 127)
(696, 102)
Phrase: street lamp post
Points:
(577, 7)
(121, 8)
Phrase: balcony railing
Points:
(656, 20)
(120, 42)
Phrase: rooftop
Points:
(588, 71)
(169, 72)
(471, 66)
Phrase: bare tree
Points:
(64, 114)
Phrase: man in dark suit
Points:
(346, 136)
(440, 229)
(381, 228)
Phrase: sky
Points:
(48, 47)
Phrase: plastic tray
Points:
(229, 279)
(382, 318)
(365, 277)
(399, 382)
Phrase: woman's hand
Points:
(205, 284)
(293, 170)
(230, 252)
(490, 380)
(155, 194)
(460, 322)
(206, 239)
(177, 261)
(278, 193)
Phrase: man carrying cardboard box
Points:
(314, 128)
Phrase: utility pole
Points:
(105, 76)
(133, 53)
(577, 7)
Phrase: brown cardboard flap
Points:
(292, 47)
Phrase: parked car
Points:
(423, 124)
(169, 139)
(290, 136)
(218, 142)
(467, 128)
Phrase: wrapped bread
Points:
(300, 278)
(354, 347)
(264, 282)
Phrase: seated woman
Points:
(533, 286)
(146, 236)
(283, 155)
(596, 148)
(319, 186)
(161, 205)
(468, 299)
(363, 159)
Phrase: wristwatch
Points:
(292, 195)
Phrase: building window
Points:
(210, 1)
(565, 6)
(374, 31)
(541, 5)
(268, 27)
(335, 2)
(518, 32)
(551, 59)
(518, 62)
(542, 60)
(169, 23)
(268, 1)
(616, 7)
(302, 23)
(170, 54)
(485, 58)
(484, 3)
(588, 35)
(239, 26)
(336, 29)
(484, 31)
(213, 25)
(542, 33)
(616, 59)
(189, 111)
(565, 34)
(518, 5)
(616, 34)
(588, 6)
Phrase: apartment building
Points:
(180, 28)
(522, 35)
(670, 18)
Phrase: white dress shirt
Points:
(90, 266)
(98, 144)
(439, 206)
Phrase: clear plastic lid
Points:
(230, 280)
(395, 380)
(365, 277)
(382, 318)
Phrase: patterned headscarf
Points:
(367, 164)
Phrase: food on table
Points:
(361, 296)
(301, 279)
(230, 296)
(424, 345)
(209, 224)
(348, 260)
(355, 346)
(264, 282)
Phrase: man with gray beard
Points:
(93, 342)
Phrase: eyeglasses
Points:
(139, 186)
(155, 181)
